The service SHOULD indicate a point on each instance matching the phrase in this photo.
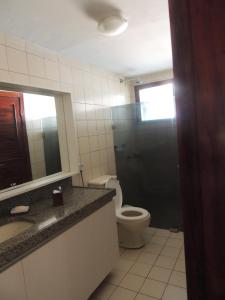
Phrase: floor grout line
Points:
(135, 260)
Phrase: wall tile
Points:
(2, 38)
(92, 127)
(91, 112)
(93, 142)
(83, 145)
(34, 49)
(82, 128)
(15, 42)
(52, 70)
(36, 65)
(65, 73)
(95, 159)
(3, 58)
(80, 111)
(4, 76)
(17, 61)
(18, 78)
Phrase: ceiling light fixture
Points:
(113, 25)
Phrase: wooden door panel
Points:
(14, 152)
(198, 42)
(10, 146)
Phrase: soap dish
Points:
(21, 209)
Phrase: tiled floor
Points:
(156, 271)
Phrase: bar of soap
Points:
(21, 209)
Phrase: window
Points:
(156, 100)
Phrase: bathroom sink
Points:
(9, 230)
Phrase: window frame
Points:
(139, 87)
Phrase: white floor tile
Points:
(123, 294)
(170, 251)
(178, 235)
(153, 248)
(159, 240)
(122, 250)
(140, 269)
(174, 293)
(182, 256)
(131, 254)
(132, 282)
(160, 274)
(165, 262)
(153, 288)
(150, 230)
(162, 232)
(124, 265)
(144, 297)
(178, 278)
(180, 265)
(115, 277)
(147, 258)
(103, 292)
(174, 243)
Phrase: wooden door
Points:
(14, 154)
(198, 41)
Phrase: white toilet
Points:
(131, 221)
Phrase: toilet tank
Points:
(101, 181)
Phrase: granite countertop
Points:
(49, 221)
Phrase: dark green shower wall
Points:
(146, 161)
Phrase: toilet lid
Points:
(118, 199)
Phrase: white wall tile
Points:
(92, 127)
(17, 61)
(93, 142)
(82, 128)
(15, 42)
(18, 78)
(83, 145)
(65, 73)
(36, 65)
(4, 76)
(80, 111)
(34, 49)
(2, 38)
(3, 58)
(52, 70)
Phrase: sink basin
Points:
(12, 229)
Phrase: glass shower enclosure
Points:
(147, 164)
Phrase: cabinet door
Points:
(92, 251)
(71, 266)
(45, 272)
(12, 283)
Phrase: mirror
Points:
(29, 143)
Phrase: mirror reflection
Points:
(29, 144)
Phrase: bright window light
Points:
(157, 102)
(39, 106)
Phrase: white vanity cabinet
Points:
(12, 283)
(73, 264)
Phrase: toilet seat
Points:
(132, 214)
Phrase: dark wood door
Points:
(198, 40)
(14, 154)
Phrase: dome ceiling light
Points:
(113, 25)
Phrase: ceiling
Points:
(70, 28)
